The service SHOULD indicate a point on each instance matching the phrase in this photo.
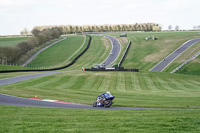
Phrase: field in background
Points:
(11, 41)
(58, 53)
(146, 54)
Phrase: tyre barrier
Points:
(110, 69)
(52, 69)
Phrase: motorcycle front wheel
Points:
(107, 103)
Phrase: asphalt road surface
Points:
(116, 48)
(166, 61)
(17, 101)
(26, 77)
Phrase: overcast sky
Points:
(17, 14)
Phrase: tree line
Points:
(11, 55)
(74, 29)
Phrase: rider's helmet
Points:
(108, 92)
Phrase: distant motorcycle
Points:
(104, 99)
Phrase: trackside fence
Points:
(125, 53)
(179, 67)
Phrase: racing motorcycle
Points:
(104, 99)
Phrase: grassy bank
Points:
(58, 53)
(146, 54)
(96, 54)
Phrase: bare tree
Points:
(24, 32)
(170, 27)
(176, 27)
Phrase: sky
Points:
(15, 15)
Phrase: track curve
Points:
(17, 101)
(116, 48)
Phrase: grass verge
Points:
(51, 120)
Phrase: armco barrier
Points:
(116, 69)
(58, 68)
(125, 53)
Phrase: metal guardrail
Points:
(193, 57)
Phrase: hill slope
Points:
(146, 54)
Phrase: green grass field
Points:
(144, 89)
(192, 68)
(96, 54)
(148, 90)
(10, 67)
(146, 54)
(11, 41)
(51, 120)
(59, 53)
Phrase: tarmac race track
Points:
(17, 101)
(166, 61)
(116, 48)
(27, 77)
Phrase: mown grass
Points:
(146, 54)
(51, 120)
(96, 54)
(11, 41)
(192, 68)
(58, 53)
(10, 67)
(149, 90)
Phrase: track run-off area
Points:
(10, 100)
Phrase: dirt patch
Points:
(153, 57)
(196, 60)
(105, 42)
(123, 40)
